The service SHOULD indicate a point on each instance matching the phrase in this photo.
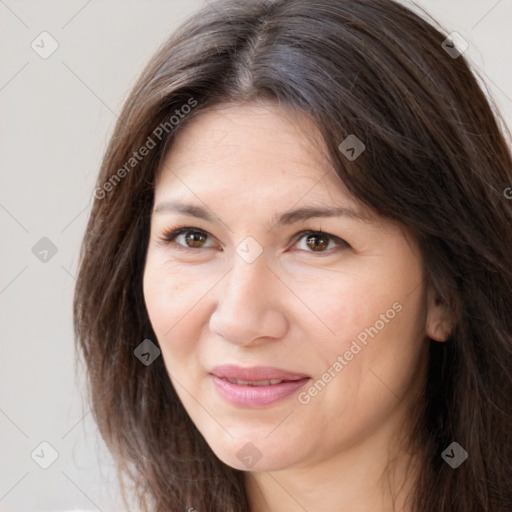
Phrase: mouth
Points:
(255, 387)
(268, 382)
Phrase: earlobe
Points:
(441, 330)
(439, 325)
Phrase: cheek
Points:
(169, 296)
(160, 303)
(178, 309)
(383, 353)
(376, 321)
(348, 304)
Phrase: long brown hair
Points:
(436, 159)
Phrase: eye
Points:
(191, 238)
(318, 241)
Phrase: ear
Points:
(439, 322)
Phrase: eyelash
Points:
(168, 237)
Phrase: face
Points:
(337, 302)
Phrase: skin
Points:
(293, 308)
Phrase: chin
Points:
(251, 453)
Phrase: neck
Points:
(375, 474)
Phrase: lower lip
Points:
(256, 396)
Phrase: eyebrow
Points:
(286, 218)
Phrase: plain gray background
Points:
(57, 114)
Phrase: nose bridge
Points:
(245, 308)
(246, 286)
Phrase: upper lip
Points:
(256, 373)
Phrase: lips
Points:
(256, 387)
(258, 375)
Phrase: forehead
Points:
(250, 150)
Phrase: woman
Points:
(295, 284)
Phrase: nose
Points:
(249, 306)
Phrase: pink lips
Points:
(247, 395)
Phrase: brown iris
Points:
(195, 238)
(316, 246)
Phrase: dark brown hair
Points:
(436, 159)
